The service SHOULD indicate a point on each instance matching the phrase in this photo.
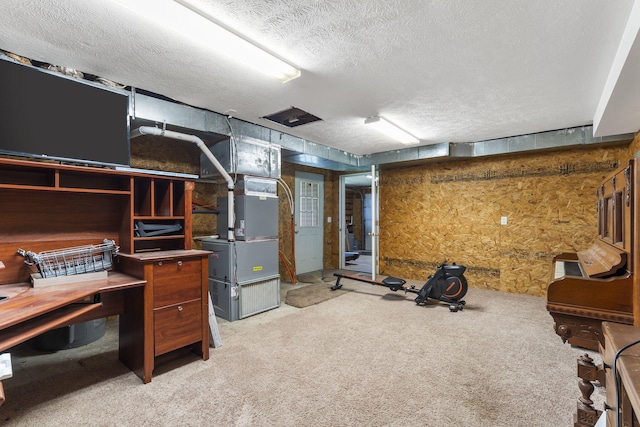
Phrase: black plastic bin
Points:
(71, 336)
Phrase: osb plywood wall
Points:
(453, 210)
(634, 147)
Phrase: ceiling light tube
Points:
(391, 130)
(183, 17)
(244, 51)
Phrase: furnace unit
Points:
(243, 274)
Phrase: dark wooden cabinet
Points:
(176, 303)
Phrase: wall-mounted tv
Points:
(48, 115)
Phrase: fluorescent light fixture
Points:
(391, 130)
(183, 17)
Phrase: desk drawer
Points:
(177, 326)
(175, 281)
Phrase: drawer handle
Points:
(179, 263)
(179, 308)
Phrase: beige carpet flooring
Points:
(368, 357)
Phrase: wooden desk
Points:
(48, 206)
(29, 312)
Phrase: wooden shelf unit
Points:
(49, 206)
(161, 201)
(26, 175)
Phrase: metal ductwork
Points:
(213, 127)
(551, 140)
(547, 141)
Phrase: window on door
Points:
(309, 204)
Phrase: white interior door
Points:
(309, 195)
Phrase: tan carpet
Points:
(366, 358)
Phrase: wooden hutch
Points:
(159, 284)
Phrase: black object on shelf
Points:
(149, 230)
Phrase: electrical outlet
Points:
(503, 220)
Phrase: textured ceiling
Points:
(445, 70)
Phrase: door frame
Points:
(375, 222)
(342, 220)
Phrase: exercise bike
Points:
(448, 284)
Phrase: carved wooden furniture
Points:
(46, 206)
(597, 284)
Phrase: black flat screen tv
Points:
(48, 115)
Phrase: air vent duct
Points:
(292, 117)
